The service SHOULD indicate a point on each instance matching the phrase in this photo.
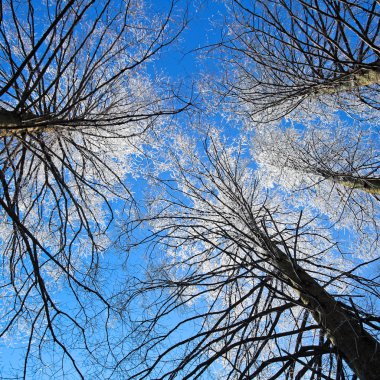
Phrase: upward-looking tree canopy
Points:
(291, 54)
(261, 242)
(73, 63)
(75, 103)
(243, 281)
(334, 169)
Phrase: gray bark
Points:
(360, 350)
(369, 185)
(13, 123)
(351, 81)
(9, 119)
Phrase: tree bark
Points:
(360, 350)
(13, 123)
(350, 81)
(9, 119)
(369, 185)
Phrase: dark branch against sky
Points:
(189, 189)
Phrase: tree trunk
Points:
(9, 119)
(360, 350)
(13, 123)
(369, 185)
(350, 81)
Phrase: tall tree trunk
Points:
(350, 81)
(9, 119)
(369, 185)
(13, 123)
(360, 350)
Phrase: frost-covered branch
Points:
(240, 286)
(286, 55)
(76, 105)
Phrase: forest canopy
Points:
(190, 190)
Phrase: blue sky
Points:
(181, 59)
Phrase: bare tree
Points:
(245, 288)
(288, 54)
(75, 103)
(334, 170)
(78, 70)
